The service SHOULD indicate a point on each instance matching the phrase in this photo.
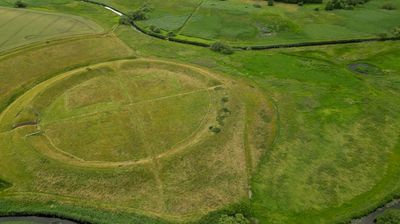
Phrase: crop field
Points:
(103, 123)
(21, 27)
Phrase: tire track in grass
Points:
(13, 18)
(128, 105)
(155, 167)
(179, 147)
(49, 25)
(21, 29)
(40, 32)
(190, 17)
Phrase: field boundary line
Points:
(50, 25)
(14, 18)
(20, 29)
(65, 15)
(49, 42)
(179, 30)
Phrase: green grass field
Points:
(238, 22)
(120, 127)
(21, 27)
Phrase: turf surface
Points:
(238, 22)
(303, 135)
(22, 27)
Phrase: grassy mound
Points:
(154, 137)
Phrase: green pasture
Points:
(336, 156)
(238, 22)
(149, 126)
(22, 27)
(39, 63)
(302, 135)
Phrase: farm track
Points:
(137, 28)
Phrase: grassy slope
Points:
(174, 187)
(53, 58)
(106, 19)
(336, 154)
(338, 130)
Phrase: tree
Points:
(155, 29)
(124, 20)
(20, 4)
(343, 4)
(221, 47)
(396, 32)
(236, 219)
(138, 15)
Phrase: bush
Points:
(389, 6)
(216, 130)
(237, 219)
(221, 47)
(301, 2)
(124, 20)
(138, 15)
(171, 34)
(396, 32)
(391, 216)
(343, 4)
(20, 4)
(155, 29)
(270, 2)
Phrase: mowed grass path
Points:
(21, 27)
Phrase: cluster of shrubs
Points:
(235, 219)
(140, 14)
(20, 4)
(343, 4)
(396, 32)
(222, 48)
(300, 1)
(388, 6)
